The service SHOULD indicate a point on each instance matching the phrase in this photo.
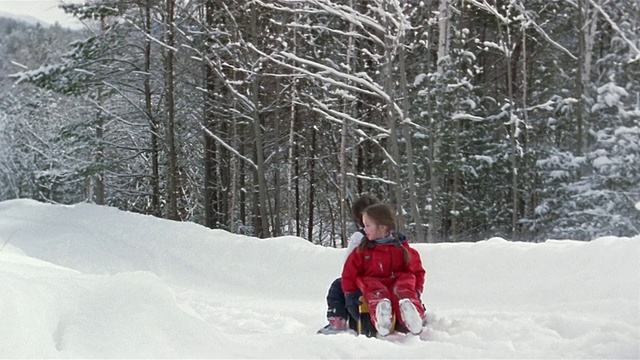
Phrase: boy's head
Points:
(358, 206)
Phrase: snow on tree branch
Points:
(228, 147)
(617, 28)
(371, 178)
(326, 110)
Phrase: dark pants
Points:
(336, 303)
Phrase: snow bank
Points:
(86, 281)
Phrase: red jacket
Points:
(382, 261)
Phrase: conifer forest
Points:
(473, 118)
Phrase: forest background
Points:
(518, 119)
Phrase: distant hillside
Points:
(23, 18)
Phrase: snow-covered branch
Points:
(484, 5)
(371, 178)
(617, 28)
(228, 147)
(327, 110)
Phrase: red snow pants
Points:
(402, 287)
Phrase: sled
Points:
(364, 326)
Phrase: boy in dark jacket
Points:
(337, 313)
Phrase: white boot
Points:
(383, 317)
(410, 316)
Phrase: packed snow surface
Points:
(87, 281)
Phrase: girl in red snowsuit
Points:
(390, 271)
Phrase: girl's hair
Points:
(382, 214)
(360, 205)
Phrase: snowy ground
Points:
(86, 281)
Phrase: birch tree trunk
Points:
(435, 218)
(587, 32)
(579, 79)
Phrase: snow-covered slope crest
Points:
(86, 281)
(103, 240)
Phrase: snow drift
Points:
(87, 281)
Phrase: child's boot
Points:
(410, 316)
(336, 325)
(383, 317)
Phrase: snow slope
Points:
(86, 281)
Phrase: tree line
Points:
(473, 118)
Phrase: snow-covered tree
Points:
(595, 194)
(475, 118)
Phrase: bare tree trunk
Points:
(530, 209)
(259, 143)
(343, 185)
(590, 33)
(98, 185)
(98, 178)
(415, 211)
(155, 152)
(242, 183)
(513, 141)
(290, 163)
(435, 217)
(443, 34)
(342, 193)
(580, 80)
(453, 231)
(296, 187)
(223, 167)
(587, 32)
(233, 173)
(277, 223)
(312, 160)
(172, 176)
(290, 144)
(395, 190)
(333, 224)
(211, 181)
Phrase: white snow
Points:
(609, 95)
(87, 281)
(601, 161)
(419, 79)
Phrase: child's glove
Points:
(352, 302)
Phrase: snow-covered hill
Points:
(86, 281)
(23, 18)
